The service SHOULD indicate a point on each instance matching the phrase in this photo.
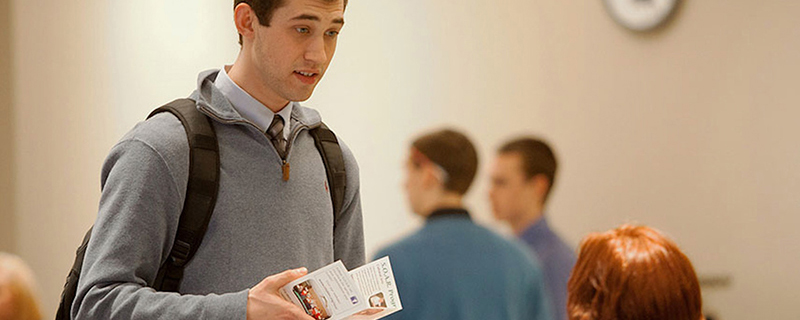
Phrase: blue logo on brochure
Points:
(354, 300)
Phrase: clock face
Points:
(641, 15)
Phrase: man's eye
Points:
(332, 33)
(302, 30)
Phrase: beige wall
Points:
(7, 222)
(61, 131)
(691, 129)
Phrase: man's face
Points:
(414, 184)
(510, 191)
(292, 54)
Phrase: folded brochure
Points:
(333, 293)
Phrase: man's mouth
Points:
(306, 77)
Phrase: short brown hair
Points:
(454, 152)
(537, 158)
(264, 9)
(633, 272)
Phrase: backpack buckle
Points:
(180, 252)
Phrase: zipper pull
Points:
(286, 170)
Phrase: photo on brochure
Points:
(312, 304)
(377, 301)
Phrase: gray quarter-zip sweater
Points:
(261, 224)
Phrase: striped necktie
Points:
(275, 133)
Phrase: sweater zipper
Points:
(285, 167)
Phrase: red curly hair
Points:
(632, 273)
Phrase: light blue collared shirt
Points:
(250, 108)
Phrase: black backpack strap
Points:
(332, 157)
(201, 191)
(71, 285)
(201, 196)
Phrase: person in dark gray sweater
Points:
(273, 211)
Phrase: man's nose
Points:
(316, 51)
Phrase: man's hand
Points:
(265, 303)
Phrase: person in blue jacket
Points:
(453, 268)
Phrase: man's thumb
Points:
(276, 281)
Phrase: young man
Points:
(453, 268)
(273, 210)
(522, 177)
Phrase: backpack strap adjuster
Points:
(180, 253)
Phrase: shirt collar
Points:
(250, 108)
(535, 231)
(449, 212)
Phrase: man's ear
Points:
(430, 177)
(245, 19)
(540, 184)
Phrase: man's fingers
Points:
(296, 312)
(300, 314)
(275, 281)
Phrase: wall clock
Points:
(641, 15)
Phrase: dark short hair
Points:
(454, 152)
(633, 272)
(265, 8)
(537, 158)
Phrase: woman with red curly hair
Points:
(633, 273)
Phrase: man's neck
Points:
(526, 220)
(242, 75)
(447, 201)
